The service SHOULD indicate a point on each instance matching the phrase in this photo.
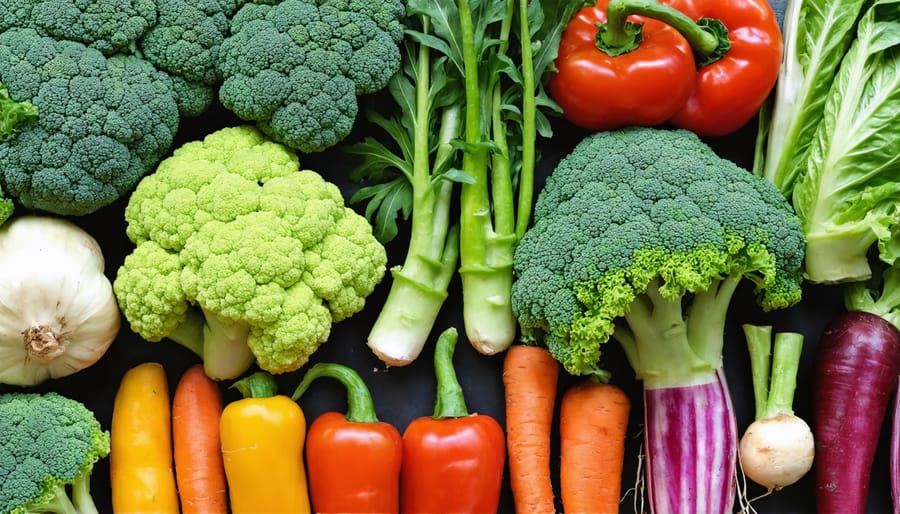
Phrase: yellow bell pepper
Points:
(142, 476)
(262, 437)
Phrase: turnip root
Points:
(777, 449)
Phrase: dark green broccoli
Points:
(185, 43)
(102, 124)
(49, 442)
(297, 68)
(107, 25)
(643, 235)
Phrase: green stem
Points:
(501, 179)
(759, 346)
(360, 408)
(708, 37)
(785, 363)
(450, 401)
(529, 126)
(257, 385)
(81, 495)
(475, 208)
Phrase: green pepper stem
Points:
(450, 402)
(708, 37)
(360, 408)
(257, 385)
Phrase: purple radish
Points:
(856, 374)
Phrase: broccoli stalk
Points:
(429, 121)
(221, 344)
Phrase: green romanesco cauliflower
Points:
(102, 123)
(630, 225)
(240, 255)
(110, 26)
(297, 68)
(49, 446)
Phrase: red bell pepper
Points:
(642, 62)
(453, 461)
(353, 459)
(611, 75)
(729, 91)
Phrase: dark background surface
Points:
(404, 393)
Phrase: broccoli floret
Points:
(102, 123)
(50, 442)
(297, 68)
(107, 25)
(240, 255)
(643, 235)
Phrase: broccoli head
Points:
(240, 255)
(635, 225)
(184, 42)
(110, 26)
(297, 68)
(50, 442)
(102, 123)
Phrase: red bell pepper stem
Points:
(359, 400)
(450, 401)
(353, 458)
(708, 37)
(453, 461)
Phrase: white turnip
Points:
(777, 449)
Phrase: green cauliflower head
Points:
(231, 226)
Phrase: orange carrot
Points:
(593, 420)
(196, 410)
(530, 376)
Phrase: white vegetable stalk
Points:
(58, 313)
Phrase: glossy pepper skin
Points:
(453, 461)
(353, 459)
(735, 51)
(728, 92)
(262, 437)
(141, 469)
(645, 86)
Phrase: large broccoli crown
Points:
(102, 123)
(640, 206)
(232, 225)
(107, 25)
(296, 68)
(49, 441)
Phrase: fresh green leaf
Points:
(386, 202)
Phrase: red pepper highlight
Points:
(353, 459)
(453, 461)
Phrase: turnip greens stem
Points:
(775, 378)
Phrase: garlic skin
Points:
(58, 313)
